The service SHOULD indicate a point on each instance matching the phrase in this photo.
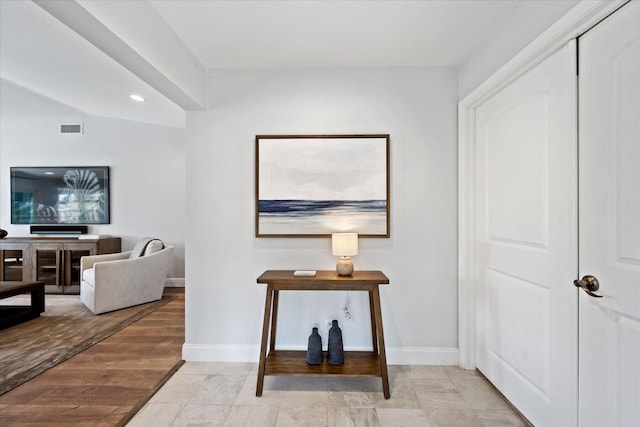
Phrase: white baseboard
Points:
(250, 353)
(174, 282)
(220, 353)
(422, 356)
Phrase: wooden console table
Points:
(356, 363)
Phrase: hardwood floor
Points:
(109, 382)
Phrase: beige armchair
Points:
(114, 281)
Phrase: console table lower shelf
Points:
(294, 363)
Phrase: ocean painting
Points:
(311, 186)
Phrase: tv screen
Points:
(60, 195)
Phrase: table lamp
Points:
(344, 245)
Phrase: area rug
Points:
(66, 328)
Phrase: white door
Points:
(609, 218)
(526, 243)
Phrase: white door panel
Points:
(526, 179)
(609, 144)
(518, 318)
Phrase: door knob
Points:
(589, 284)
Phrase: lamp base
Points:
(344, 266)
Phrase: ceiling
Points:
(294, 34)
(41, 55)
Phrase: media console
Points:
(52, 260)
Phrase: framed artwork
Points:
(315, 185)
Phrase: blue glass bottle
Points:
(335, 355)
(314, 348)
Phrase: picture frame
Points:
(316, 185)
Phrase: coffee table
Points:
(13, 314)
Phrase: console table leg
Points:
(265, 334)
(274, 320)
(374, 331)
(381, 346)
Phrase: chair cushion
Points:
(153, 246)
(89, 276)
(140, 248)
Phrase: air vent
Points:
(71, 128)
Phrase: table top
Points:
(10, 288)
(323, 280)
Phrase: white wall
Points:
(224, 305)
(528, 20)
(147, 166)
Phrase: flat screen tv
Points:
(60, 195)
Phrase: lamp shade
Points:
(344, 244)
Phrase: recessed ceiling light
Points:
(137, 98)
(48, 173)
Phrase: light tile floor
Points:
(223, 394)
